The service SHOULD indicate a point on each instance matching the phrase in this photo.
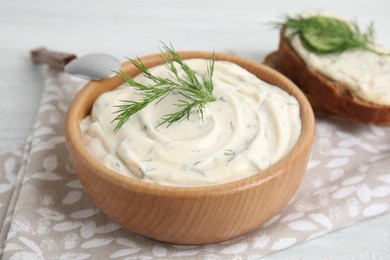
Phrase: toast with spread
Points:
(340, 76)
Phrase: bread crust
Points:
(322, 92)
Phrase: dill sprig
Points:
(195, 91)
(324, 35)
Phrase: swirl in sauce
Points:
(251, 126)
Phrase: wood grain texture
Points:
(237, 26)
(195, 215)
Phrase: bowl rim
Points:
(75, 143)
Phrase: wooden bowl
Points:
(189, 215)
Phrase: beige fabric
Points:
(46, 215)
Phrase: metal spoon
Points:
(95, 66)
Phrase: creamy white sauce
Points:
(366, 73)
(251, 126)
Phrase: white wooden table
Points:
(130, 28)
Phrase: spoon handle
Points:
(52, 58)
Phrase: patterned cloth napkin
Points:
(45, 213)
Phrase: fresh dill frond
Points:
(196, 91)
(324, 35)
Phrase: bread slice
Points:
(322, 92)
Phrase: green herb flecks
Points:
(195, 91)
(230, 154)
(324, 35)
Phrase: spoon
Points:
(95, 66)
